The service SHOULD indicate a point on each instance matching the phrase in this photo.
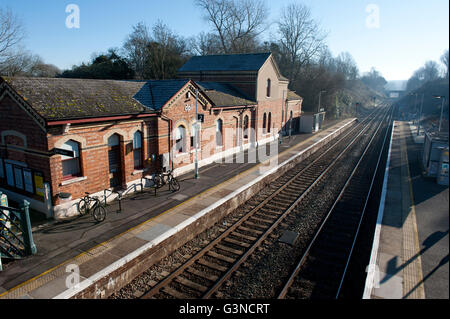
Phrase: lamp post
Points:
(196, 134)
(320, 94)
(420, 116)
(442, 109)
(415, 102)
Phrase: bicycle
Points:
(98, 211)
(160, 180)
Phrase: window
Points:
(137, 150)
(180, 134)
(269, 124)
(71, 165)
(246, 126)
(268, 88)
(219, 133)
(265, 123)
(114, 160)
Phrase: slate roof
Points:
(228, 62)
(60, 98)
(222, 94)
(156, 93)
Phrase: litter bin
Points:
(65, 197)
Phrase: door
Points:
(114, 161)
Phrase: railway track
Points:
(204, 273)
(321, 270)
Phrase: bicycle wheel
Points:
(99, 213)
(158, 181)
(82, 207)
(174, 184)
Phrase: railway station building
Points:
(60, 138)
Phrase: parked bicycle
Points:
(92, 204)
(162, 179)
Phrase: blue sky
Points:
(409, 33)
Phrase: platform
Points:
(83, 259)
(409, 258)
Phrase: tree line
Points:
(430, 71)
(237, 26)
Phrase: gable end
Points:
(5, 89)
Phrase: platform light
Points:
(442, 109)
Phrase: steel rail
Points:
(280, 218)
(166, 281)
(297, 269)
(364, 209)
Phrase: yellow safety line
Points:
(420, 288)
(143, 223)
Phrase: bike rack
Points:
(153, 186)
(121, 194)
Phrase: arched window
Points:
(268, 88)
(269, 123)
(180, 136)
(265, 123)
(114, 160)
(71, 165)
(246, 126)
(137, 150)
(219, 132)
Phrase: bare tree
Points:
(20, 63)
(301, 37)
(374, 80)
(429, 72)
(11, 31)
(11, 34)
(135, 48)
(205, 44)
(237, 23)
(165, 51)
(346, 65)
(44, 70)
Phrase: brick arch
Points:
(15, 134)
(123, 134)
(74, 137)
(140, 129)
(178, 123)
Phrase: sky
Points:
(395, 36)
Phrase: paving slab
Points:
(399, 249)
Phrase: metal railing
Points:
(16, 237)
(121, 194)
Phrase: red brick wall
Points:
(155, 130)
(14, 118)
(93, 141)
